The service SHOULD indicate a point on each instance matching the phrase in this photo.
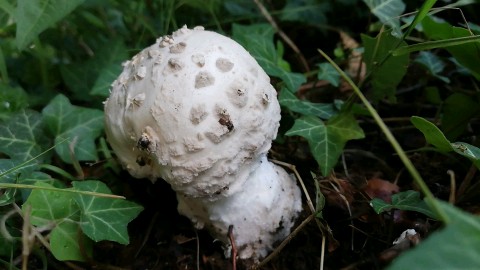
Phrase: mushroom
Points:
(197, 110)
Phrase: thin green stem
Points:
(403, 157)
(30, 160)
(58, 171)
(90, 193)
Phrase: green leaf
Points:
(94, 76)
(408, 200)
(319, 198)
(432, 133)
(327, 141)
(47, 206)
(422, 12)
(289, 100)
(68, 243)
(7, 196)
(386, 71)
(466, 54)
(309, 11)
(105, 78)
(433, 64)
(22, 136)
(104, 218)
(388, 12)
(58, 209)
(258, 40)
(13, 175)
(11, 100)
(429, 45)
(458, 110)
(435, 137)
(469, 151)
(34, 16)
(80, 125)
(438, 252)
(327, 72)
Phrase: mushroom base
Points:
(262, 214)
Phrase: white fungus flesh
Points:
(197, 110)
(261, 215)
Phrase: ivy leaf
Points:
(388, 12)
(289, 100)
(433, 64)
(34, 16)
(58, 209)
(258, 40)
(104, 218)
(80, 125)
(12, 99)
(327, 141)
(387, 70)
(105, 78)
(22, 136)
(309, 11)
(407, 200)
(21, 171)
(95, 75)
(328, 73)
(67, 243)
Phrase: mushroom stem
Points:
(262, 213)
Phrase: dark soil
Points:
(359, 238)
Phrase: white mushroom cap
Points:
(196, 109)
(262, 214)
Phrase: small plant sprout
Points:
(198, 111)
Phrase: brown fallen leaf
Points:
(379, 188)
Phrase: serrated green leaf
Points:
(432, 133)
(433, 64)
(466, 54)
(438, 252)
(22, 136)
(327, 141)
(388, 12)
(386, 71)
(34, 16)
(80, 125)
(289, 100)
(327, 72)
(104, 218)
(407, 200)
